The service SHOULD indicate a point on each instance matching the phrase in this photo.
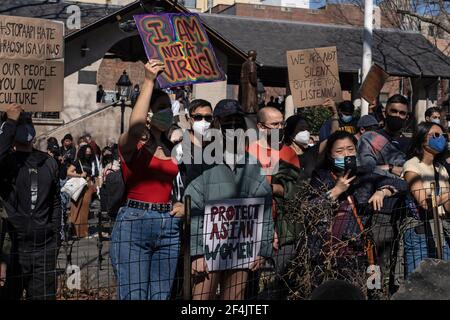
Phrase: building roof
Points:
(400, 53)
(56, 10)
(100, 34)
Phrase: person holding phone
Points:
(339, 179)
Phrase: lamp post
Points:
(123, 91)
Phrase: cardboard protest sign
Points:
(31, 63)
(233, 233)
(182, 43)
(373, 83)
(30, 38)
(313, 76)
(35, 85)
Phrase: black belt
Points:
(160, 207)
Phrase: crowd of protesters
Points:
(367, 167)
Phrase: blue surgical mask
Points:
(437, 144)
(339, 163)
(437, 121)
(346, 118)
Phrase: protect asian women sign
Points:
(232, 233)
(182, 43)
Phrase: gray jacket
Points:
(220, 182)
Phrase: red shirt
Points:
(148, 179)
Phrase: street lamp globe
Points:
(124, 86)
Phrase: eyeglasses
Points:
(200, 117)
(273, 125)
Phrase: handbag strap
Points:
(81, 166)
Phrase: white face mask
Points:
(200, 127)
(302, 137)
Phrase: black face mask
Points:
(394, 124)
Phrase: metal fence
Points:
(373, 250)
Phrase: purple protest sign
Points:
(181, 42)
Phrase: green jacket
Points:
(220, 182)
(288, 176)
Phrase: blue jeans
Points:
(417, 248)
(144, 253)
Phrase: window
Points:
(431, 31)
(189, 3)
(260, 7)
(46, 115)
(87, 77)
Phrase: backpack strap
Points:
(34, 186)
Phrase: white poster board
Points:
(232, 233)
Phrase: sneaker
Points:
(95, 235)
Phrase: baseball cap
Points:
(367, 121)
(346, 106)
(227, 107)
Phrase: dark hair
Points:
(397, 98)
(157, 94)
(291, 128)
(54, 149)
(337, 290)
(198, 103)
(338, 135)
(432, 110)
(52, 140)
(82, 153)
(346, 106)
(160, 94)
(179, 95)
(420, 136)
(107, 158)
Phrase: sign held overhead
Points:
(31, 63)
(373, 83)
(313, 76)
(180, 41)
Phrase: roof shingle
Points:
(400, 53)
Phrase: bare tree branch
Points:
(420, 17)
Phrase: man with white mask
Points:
(189, 152)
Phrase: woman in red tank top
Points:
(146, 235)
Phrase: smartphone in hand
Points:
(350, 166)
